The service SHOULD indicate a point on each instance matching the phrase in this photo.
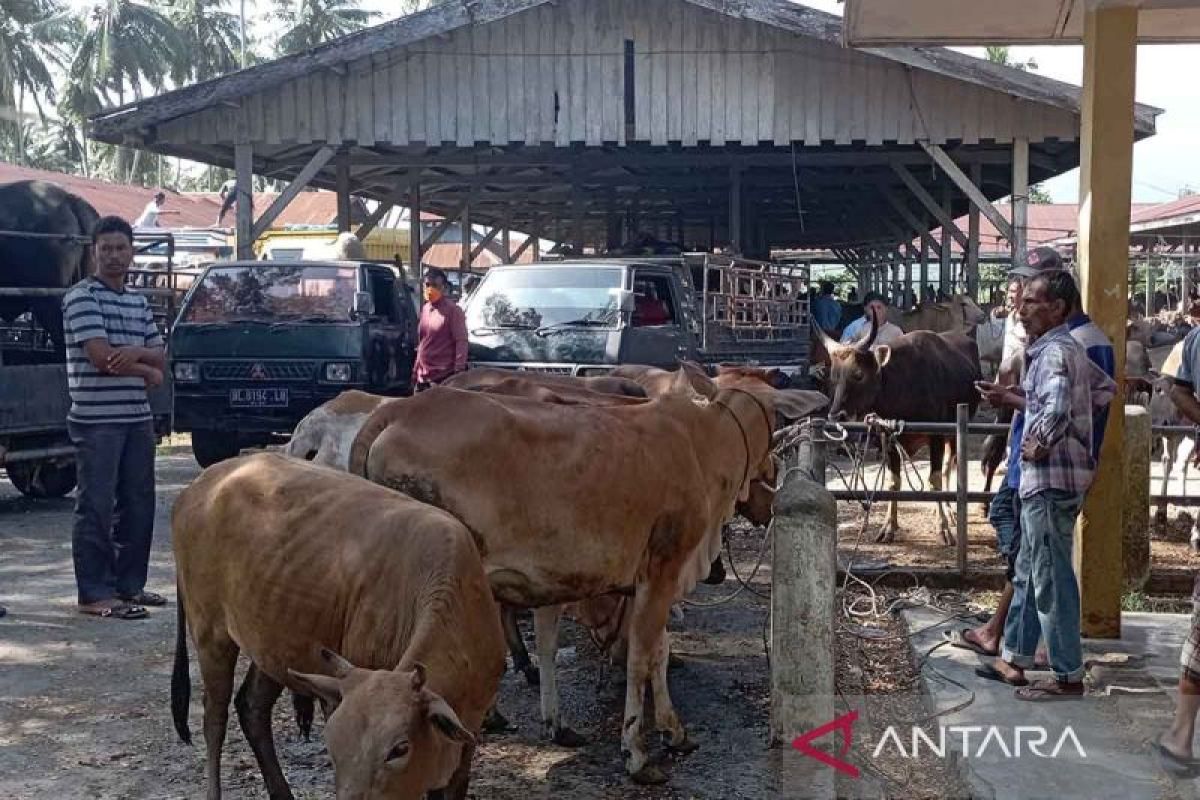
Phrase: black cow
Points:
(51, 263)
(920, 377)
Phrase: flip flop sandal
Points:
(125, 611)
(959, 639)
(992, 674)
(145, 599)
(1047, 692)
(1176, 766)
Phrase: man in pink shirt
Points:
(442, 346)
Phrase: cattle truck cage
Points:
(747, 304)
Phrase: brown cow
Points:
(571, 502)
(335, 563)
(481, 378)
(959, 313)
(920, 377)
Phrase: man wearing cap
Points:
(874, 308)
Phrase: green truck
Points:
(259, 344)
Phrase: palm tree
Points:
(308, 23)
(29, 51)
(209, 36)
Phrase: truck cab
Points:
(260, 344)
(586, 317)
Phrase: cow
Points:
(959, 313)
(38, 207)
(333, 564)
(920, 377)
(573, 502)
(481, 378)
(325, 434)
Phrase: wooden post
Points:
(947, 244)
(464, 227)
(417, 273)
(1109, 67)
(243, 165)
(1136, 514)
(924, 264)
(1020, 200)
(735, 208)
(972, 261)
(962, 483)
(506, 246)
(909, 295)
(342, 166)
(803, 609)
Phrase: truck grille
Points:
(548, 370)
(259, 371)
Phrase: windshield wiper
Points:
(508, 326)
(246, 321)
(302, 320)
(558, 327)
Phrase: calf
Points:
(334, 564)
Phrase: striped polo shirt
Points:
(91, 310)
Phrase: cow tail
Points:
(181, 679)
(380, 418)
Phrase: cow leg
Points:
(648, 625)
(304, 706)
(1160, 513)
(545, 626)
(939, 477)
(887, 534)
(522, 663)
(218, 659)
(254, 702)
(665, 718)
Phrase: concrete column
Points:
(1110, 63)
(342, 177)
(243, 166)
(414, 235)
(1136, 516)
(1020, 200)
(803, 612)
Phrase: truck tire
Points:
(211, 447)
(42, 479)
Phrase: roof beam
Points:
(906, 214)
(314, 165)
(385, 205)
(968, 188)
(940, 214)
(443, 226)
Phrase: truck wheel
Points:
(210, 447)
(42, 479)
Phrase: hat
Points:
(1037, 261)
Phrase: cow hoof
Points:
(495, 722)
(532, 676)
(716, 573)
(686, 747)
(649, 775)
(565, 737)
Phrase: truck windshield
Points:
(542, 297)
(273, 294)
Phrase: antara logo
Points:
(258, 373)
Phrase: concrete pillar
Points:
(803, 609)
(342, 177)
(1109, 66)
(1136, 514)
(243, 165)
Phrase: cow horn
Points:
(828, 341)
(866, 345)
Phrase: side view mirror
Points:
(364, 304)
(625, 301)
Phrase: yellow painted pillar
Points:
(1106, 140)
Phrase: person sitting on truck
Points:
(873, 307)
(114, 352)
(442, 334)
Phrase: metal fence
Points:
(824, 434)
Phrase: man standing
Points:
(1060, 389)
(442, 331)
(152, 211)
(826, 311)
(114, 352)
(873, 308)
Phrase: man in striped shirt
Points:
(114, 353)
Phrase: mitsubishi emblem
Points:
(258, 373)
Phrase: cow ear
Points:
(698, 379)
(442, 717)
(883, 354)
(797, 403)
(326, 689)
(339, 666)
(418, 677)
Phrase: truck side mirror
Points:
(625, 300)
(364, 304)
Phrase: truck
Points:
(583, 317)
(35, 449)
(260, 344)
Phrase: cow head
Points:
(855, 375)
(972, 314)
(389, 736)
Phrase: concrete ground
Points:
(1130, 701)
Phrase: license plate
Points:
(258, 398)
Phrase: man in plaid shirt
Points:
(1061, 388)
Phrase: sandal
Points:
(988, 672)
(1050, 691)
(959, 639)
(145, 599)
(127, 611)
(1176, 766)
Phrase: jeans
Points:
(1004, 512)
(114, 508)
(1045, 592)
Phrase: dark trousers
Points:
(114, 508)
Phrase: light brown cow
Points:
(959, 313)
(571, 502)
(481, 378)
(325, 434)
(330, 562)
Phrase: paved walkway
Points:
(1132, 701)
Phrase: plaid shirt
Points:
(1062, 387)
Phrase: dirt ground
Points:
(84, 702)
